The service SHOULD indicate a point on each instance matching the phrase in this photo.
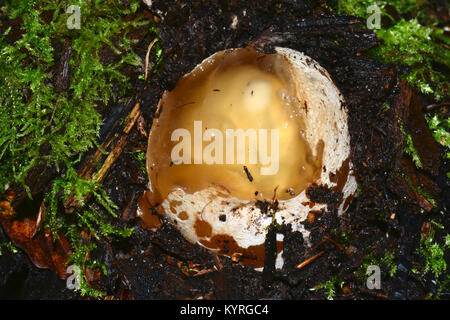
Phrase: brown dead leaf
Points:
(44, 251)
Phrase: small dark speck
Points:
(223, 218)
(216, 90)
(251, 92)
(256, 193)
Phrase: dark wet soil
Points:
(385, 216)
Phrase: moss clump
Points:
(412, 37)
(387, 263)
(431, 262)
(411, 34)
(140, 157)
(7, 245)
(88, 217)
(35, 117)
(330, 287)
(418, 189)
(409, 147)
(433, 254)
(417, 46)
(411, 150)
(44, 125)
(440, 127)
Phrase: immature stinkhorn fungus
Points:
(241, 129)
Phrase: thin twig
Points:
(147, 57)
(434, 106)
(71, 203)
(40, 218)
(203, 272)
(335, 243)
(309, 260)
(316, 246)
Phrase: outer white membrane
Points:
(325, 119)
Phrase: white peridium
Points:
(148, 3)
(325, 119)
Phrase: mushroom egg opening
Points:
(242, 131)
(238, 128)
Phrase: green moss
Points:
(381, 215)
(412, 38)
(433, 253)
(343, 238)
(443, 287)
(419, 45)
(359, 7)
(88, 216)
(388, 262)
(78, 258)
(34, 115)
(411, 43)
(434, 257)
(358, 190)
(411, 150)
(417, 189)
(42, 126)
(157, 49)
(427, 196)
(385, 107)
(409, 147)
(329, 287)
(420, 191)
(440, 127)
(7, 245)
(140, 157)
